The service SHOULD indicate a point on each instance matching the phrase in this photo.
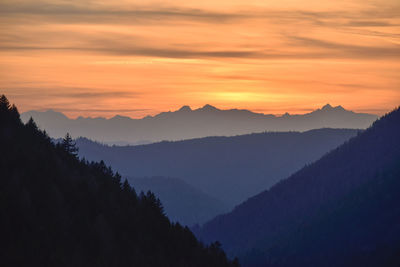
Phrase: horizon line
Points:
(377, 112)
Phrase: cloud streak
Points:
(326, 50)
(61, 12)
(68, 13)
(342, 50)
(65, 92)
(90, 110)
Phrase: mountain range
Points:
(229, 169)
(342, 210)
(186, 123)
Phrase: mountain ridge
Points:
(206, 107)
(230, 169)
(187, 123)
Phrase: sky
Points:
(137, 58)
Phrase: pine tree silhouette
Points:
(69, 145)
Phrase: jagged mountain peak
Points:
(329, 107)
(185, 108)
(50, 113)
(208, 107)
(120, 117)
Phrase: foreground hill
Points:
(56, 210)
(186, 123)
(342, 210)
(230, 169)
(182, 202)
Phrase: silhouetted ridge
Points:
(119, 117)
(56, 210)
(185, 109)
(186, 123)
(341, 210)
(208, 107)
(327, 107)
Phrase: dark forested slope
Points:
(342, 210)
(56, 210)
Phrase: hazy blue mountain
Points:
(186, 123)
(182, 202)
(230, 169)
(342, 210)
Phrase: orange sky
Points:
(102, 58)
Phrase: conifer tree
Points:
(4, 104)
(69, 145)
(31, 124)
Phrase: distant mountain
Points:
(230, 169)
(186, 123)
(342, 210)
(57, 210)
(182, 202)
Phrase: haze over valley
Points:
(229, 169)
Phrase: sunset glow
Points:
(134, 58)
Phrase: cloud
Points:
(151, 44)
(100, 94)
(326, 50)
(369, 23)
(72, 13)
(65, 92)
(146, 51)
(341, 50)
(77, 12)
(109, 111)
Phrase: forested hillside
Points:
(342, 210)
(56, 210)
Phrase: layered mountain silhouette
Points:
(229, 169)
(342, 210)
(57, 210)
(182, 202)
(186, 123)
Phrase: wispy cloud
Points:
(153, 44)
(70, 13)
(75, 12)
(326, 50)
(101, 94)
(343, 50)
(65, 92)
(90, 110)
